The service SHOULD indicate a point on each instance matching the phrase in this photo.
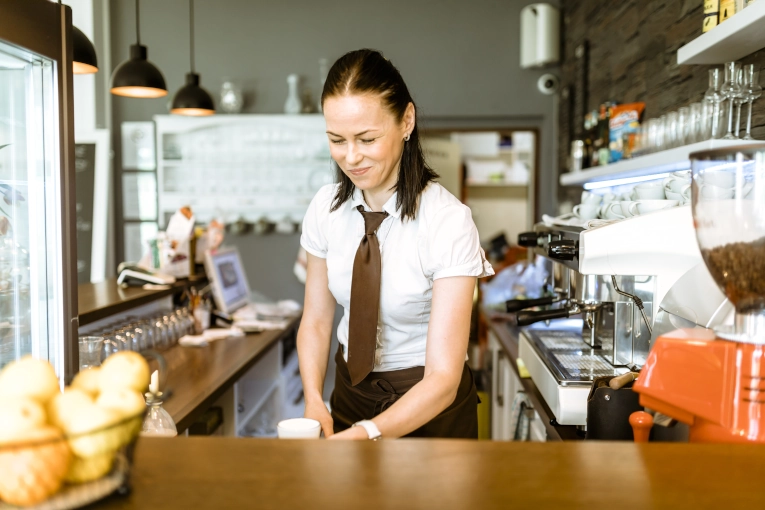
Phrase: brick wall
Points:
(633, 57)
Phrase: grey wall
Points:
(460, 59)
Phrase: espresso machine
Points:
(624, 284)
(713, 379)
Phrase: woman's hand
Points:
(318, 411)
(353, 434)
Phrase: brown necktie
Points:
(365, 299)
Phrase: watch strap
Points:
(372, 431)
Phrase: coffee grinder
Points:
(714, 380)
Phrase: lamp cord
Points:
(191, 31)
(137, 24)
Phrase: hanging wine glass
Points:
(739, 102)
(711, 107)
(752, 90)
(731, 90)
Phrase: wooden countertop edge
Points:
(197, 406)
(508, 339)
(233, 473)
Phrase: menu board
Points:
(85, 175)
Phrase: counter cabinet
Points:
(507, 383)
(513, 416)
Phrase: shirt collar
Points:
(389, 207)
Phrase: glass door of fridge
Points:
(31, 249)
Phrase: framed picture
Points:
(138, 146)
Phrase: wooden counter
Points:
(441, 474)
(198, 376)
(507, 334)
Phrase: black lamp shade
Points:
(137, 77)
(85, 60)
(191, 99)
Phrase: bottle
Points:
(158, 422)
(727, 9)
(231, 97)
(604, 132)
(292, 105)
(711, 14)
(594, 136)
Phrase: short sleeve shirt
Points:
(442, 241)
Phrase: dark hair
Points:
(368, 72)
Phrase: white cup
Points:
(676, 184)
(686, 193)
(590, 198)
(681, 199)
(625, 205)
(650, 191)
(587, 211)
(710, 191)
(649, 206)
(298, 428)
(608, 198)
(719, 178)
(612, 211)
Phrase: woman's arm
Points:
(313, 341)
(448, 333)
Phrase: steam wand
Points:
(638, 302)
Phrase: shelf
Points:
(495, 184)
(670, 160)
(731, 40)
(257, 407)
(96, 301)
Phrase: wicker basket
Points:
(68, 471)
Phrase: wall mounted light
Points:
(191, 99)
(137, 77)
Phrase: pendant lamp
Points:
(84, 60)
(191, 99)
(137, 77)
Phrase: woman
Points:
(401, 255)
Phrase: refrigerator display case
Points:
(38, 292)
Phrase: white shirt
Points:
(442, 241)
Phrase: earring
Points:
(406, 138)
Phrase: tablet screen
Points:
(230, 280)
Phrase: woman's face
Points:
(366, 140)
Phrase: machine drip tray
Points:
(568, 357)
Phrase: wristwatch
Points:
(372, 431)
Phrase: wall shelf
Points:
(731, 40)
(670, 160)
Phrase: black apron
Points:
(379, 390)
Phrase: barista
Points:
(401, 255)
